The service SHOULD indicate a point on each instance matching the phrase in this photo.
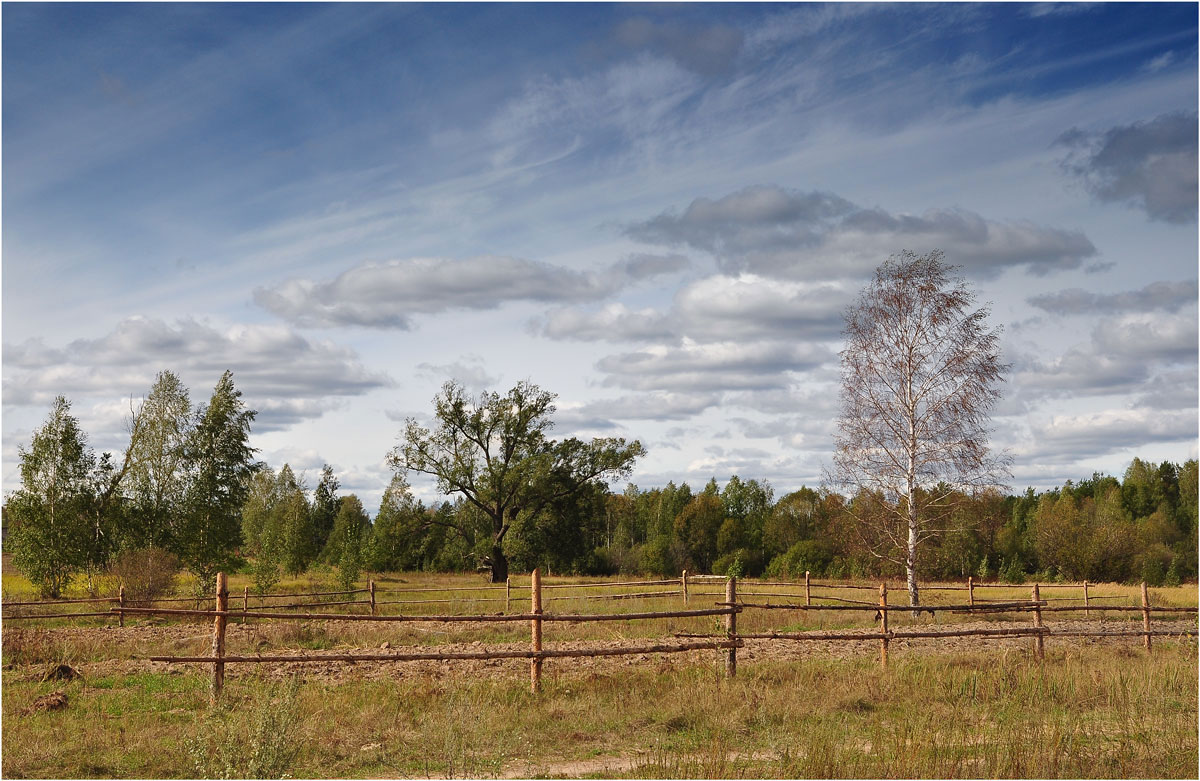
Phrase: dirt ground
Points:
(188, 639)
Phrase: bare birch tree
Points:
(920, 375)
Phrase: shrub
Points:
(805, 556)
(145, 573)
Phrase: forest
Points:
(189, 493)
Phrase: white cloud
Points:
(718, 366)
(387, 295)
(282, 374)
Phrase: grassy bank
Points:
(1097, 712)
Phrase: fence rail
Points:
(729, 642)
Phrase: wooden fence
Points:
(733, 604)
(730, 641)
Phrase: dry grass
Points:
(1095, 711)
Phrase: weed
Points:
(225, 748)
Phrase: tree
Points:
(494, 452)
(347, 537)
(219, 463)
(51, 511)
(158, 433)
(395, 537)
(324, 508)
(920, 375)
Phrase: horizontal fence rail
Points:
(733, 604)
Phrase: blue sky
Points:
(656, 211)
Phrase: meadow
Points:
(1096, 707)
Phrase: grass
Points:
(1089, 710)
(1089, 713)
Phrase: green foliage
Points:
(494, 452)
(157, 457)
(324, 508)
(347, 540)
(220, 464)
(50, 513)
(813, 556)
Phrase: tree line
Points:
(189, 485)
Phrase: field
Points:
(961, 707)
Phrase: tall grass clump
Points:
(258, 741)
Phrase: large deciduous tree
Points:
(157, 477)
(495, 453)
(921, 370)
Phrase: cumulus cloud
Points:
(1164, 296)
(1110, 431)
(715, 308)
(1147, 165)
(653, 406)
(387, 295)
(1121, 356)
(777, 232)
(282, 374)
(718, 366)
(469, 371)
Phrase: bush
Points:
(145, 573)
(739, 563)
(805, 556)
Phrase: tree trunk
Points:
(499, 564)
(910, 560)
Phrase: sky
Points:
(658, 212)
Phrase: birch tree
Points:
(921, 372)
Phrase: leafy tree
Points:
(493, 451)
(157, 466)
(51, 512)
(396, 538)
(219, 463)
(292, 518)
(347, 537)
(698, 526)
(324, 508)
(920, 371)
(260, 535)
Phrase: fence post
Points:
(371, 587)
(731, 627)
(218, 641)
(807, 589)
(121, 604)
(507, 594)
(1039, 646)
(535, 664)
(883, 625)
(1146, 614)
(971, 590)
(1086, 612)
(683, 580)
(245, 602)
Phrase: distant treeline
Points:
(189, 493)
(1141, 527)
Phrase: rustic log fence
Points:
(729, 641)
(536, 654)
